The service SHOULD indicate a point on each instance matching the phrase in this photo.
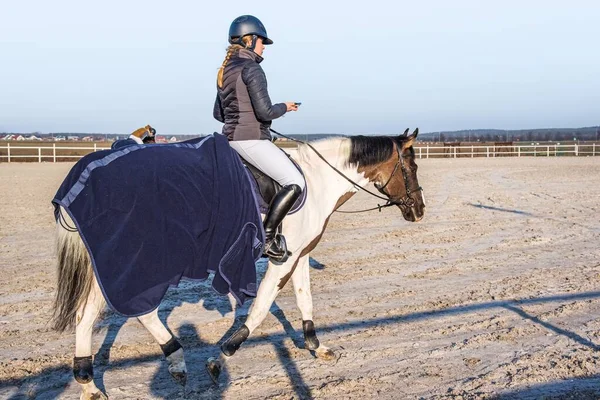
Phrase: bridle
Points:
(404, 202)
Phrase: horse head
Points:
(395, 175)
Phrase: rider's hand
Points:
(291, 106)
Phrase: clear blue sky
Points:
(357, 67)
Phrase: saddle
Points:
(265, 187)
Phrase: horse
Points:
(334, 168)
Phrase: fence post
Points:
(94, 147)
(594, 149)
(53, 152)
(39, 154)
(8, 148)
(487, 151)
(420, 148)
(455, 152)
(519, 151)
(472, 151)
(427, 150)
(576, 149)
(547, 151)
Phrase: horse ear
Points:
(405, 134)
(409, 140)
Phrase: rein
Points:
(406, 202)
(63, 222)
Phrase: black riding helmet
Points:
(247, 25)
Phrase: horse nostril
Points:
(417, 214)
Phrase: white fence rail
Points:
(45, 153)
(10, 153)
(516, 150)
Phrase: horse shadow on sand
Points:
(51, 382)
(197, 350)
(163, 385)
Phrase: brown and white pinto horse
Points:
(389, 162)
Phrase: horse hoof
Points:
(93, 396)
(326, 354)
(213, 367)
(180, 377)
(232, 344)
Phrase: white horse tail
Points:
(74, 274)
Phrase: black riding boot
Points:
(275, 246)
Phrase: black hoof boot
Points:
(170, 347)
(83, 370)
(232, 344)
(311, 342)
(213, 367)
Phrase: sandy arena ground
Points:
(494, 295)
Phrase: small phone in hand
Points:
(297, 104)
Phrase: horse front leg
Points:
(301, 282)
(274, 280)
(168, 343)
(83, 369)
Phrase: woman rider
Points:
(244, 106)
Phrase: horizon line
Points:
(299, 134)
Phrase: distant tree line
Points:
(522, 135)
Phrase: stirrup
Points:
(276, 249)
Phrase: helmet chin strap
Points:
(250, 46)
(253, 43)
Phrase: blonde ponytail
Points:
(230, 52)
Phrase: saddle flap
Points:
(266, 187)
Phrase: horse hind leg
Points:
(168, 343)
(83, 369)
(301, 282)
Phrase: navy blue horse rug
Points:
(151, 215)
